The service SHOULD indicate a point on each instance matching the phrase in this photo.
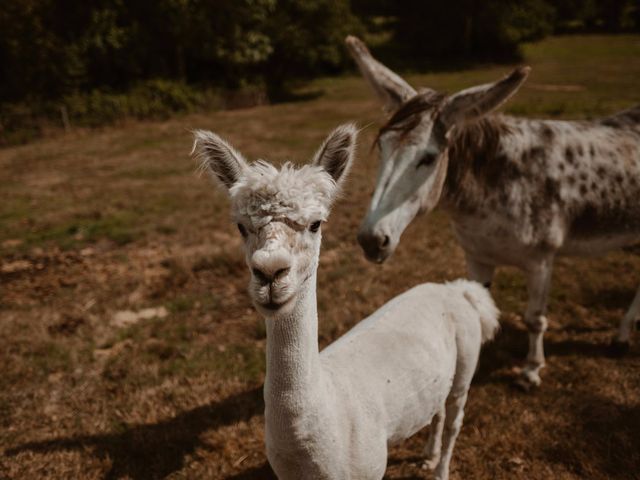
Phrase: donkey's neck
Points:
(293, 361)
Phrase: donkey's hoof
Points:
(527, 380)
(430, 464)
(618, 348)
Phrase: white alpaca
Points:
(332, 415)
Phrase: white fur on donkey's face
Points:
(279, 211)
(410, 178)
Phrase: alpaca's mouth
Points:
(272, 306)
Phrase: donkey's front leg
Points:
(538, 282)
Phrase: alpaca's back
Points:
(400, 362)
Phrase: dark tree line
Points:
(50, 49)
(452, 30)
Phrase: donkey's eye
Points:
(315, 226)
(426, 160)
(243, 230)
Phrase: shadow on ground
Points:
(145, 452)
(263, 472)
(608, 433)
(510, 349)
(612, 297)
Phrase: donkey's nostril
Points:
(372, 244)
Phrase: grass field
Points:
(97, 223)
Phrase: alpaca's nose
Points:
(374, 244)
(265, 277)
(267, 267)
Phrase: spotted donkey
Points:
(518, 191)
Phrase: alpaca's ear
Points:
(472, 103)
(336, 153)
(217, 157)
(388, 86)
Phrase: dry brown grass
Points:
(97, 222)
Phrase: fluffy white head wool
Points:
(302, 195)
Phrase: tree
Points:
(479, 29)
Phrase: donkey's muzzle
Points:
(376, 246)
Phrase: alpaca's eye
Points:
(315, 226)
(426, 160)
(243, 230)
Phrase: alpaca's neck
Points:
(293, 360)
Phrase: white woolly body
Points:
(377, 385)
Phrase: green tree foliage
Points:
(50, 48)
(441, 32)
(598, 15)
(308, 39)
(100, 60)
(479, 29)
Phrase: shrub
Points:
(156, 99)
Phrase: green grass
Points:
(147, 172)
(235, 361)
(181, 304)
(119, 228)
(50, 357)
(38, 222)
(605, 67)
(184, 303)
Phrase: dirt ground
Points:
(130, 350)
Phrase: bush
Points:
(151, 99)
(156, 99)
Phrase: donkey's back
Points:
(587, 198)
(604, 210)
(570, 187)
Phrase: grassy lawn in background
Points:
(100, 222)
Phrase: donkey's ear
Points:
(336, 153)
(474, 102)
(217, 157)
(388, 86)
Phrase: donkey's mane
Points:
(474, 153)
(626, 118)
(407, 117)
